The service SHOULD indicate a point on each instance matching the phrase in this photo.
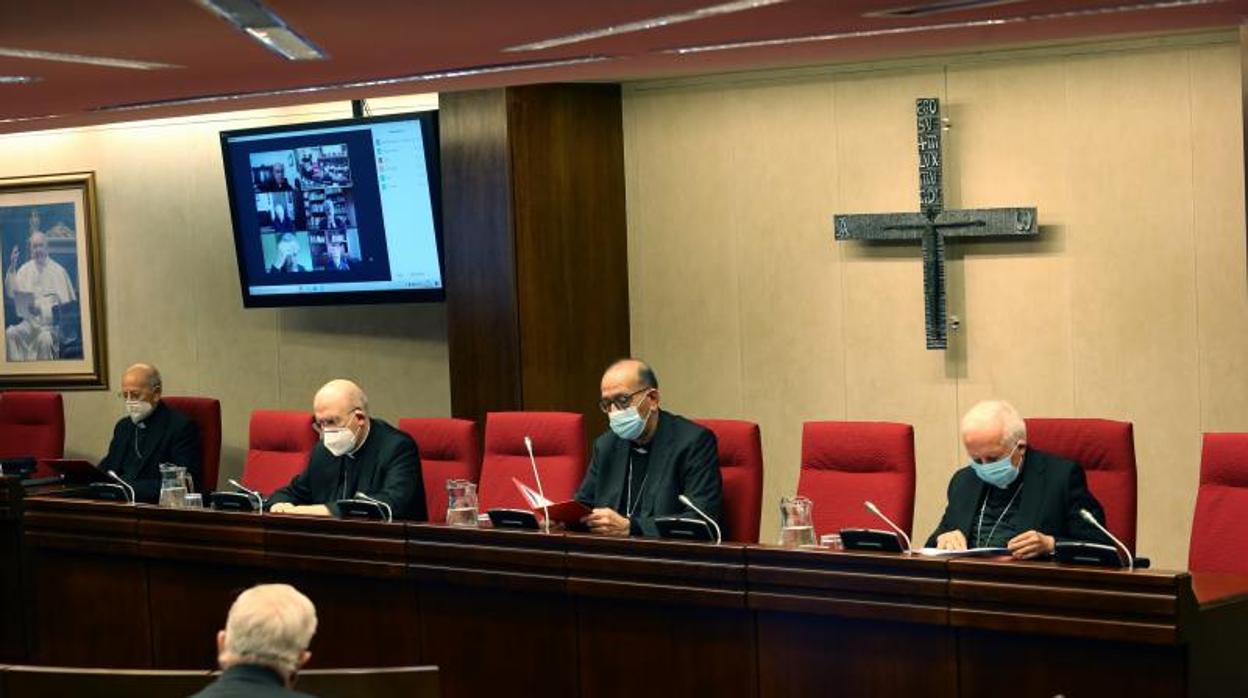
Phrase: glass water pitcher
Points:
(461, 503)
(175, 484)
(797, 524)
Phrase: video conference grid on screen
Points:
(334, 208)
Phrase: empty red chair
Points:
(448, 450)
(1219, 529)
(741, 467)
(32, 425)
(558, 447)
(847, 463)
(206, 413)
(1105, 449)
(278, 444)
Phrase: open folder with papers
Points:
(567, 512)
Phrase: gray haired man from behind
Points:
(264, 644)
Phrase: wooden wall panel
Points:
(537, 268)
(483, 337)
(572, 258)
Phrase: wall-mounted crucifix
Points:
(932, 224)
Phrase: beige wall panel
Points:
(1007, 147)
(173, 292)
(889, 373)
(1133, 256)
(684, 260)
(1221, 246)
(238, 350)
(793, 359)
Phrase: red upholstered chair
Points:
(206, 413)
(1219, 529)
(558, 447)
(448, 450)
(1105, 449)
(32, 425)
(847, 463)
(278, 445)
(741, 465)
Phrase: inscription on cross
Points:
(932, 224)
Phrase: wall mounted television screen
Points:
(337, 212)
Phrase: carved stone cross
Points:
(932, 224)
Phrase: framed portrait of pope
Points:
(53, 310)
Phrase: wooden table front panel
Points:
(89, 584)
(197, 563)
(661, 618)
(494, 611)
(858, 623)
(12, 615)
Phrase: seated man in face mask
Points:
(150, 434)
(1013, 496)
(647, 459)
(357, 453)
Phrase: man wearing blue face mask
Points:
(647, 459)
(1010, 495)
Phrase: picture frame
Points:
(53, 283)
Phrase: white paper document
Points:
(972, 552)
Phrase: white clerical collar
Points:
(360, 445)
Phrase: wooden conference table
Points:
(519, 613)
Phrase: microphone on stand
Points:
(384, 507)
(875, 510)
(719, 537)
(259, 498)
(528, 444)
(1087, 516)
(125, 485)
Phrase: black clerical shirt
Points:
(635, 482)
(997, 519)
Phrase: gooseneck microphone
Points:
(259, 498)
(1087, 516)
(384, 507)
(125, 485)
(528, 445)
(875, 510)
(719, 537)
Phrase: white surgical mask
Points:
(138, 410)
(338, 441)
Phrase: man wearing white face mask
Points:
(357, 453)
(647, 459)
(149, 434)
(1013, 496)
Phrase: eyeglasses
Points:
(985, 460)
(130, 394)
(620, 402)
(335, 423)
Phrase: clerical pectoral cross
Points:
(932, 224)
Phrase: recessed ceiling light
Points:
(17, 79)
(23, 119)
(645, 24)
(916, 29)
(355, 85)
(263, 25)
(87, 60)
